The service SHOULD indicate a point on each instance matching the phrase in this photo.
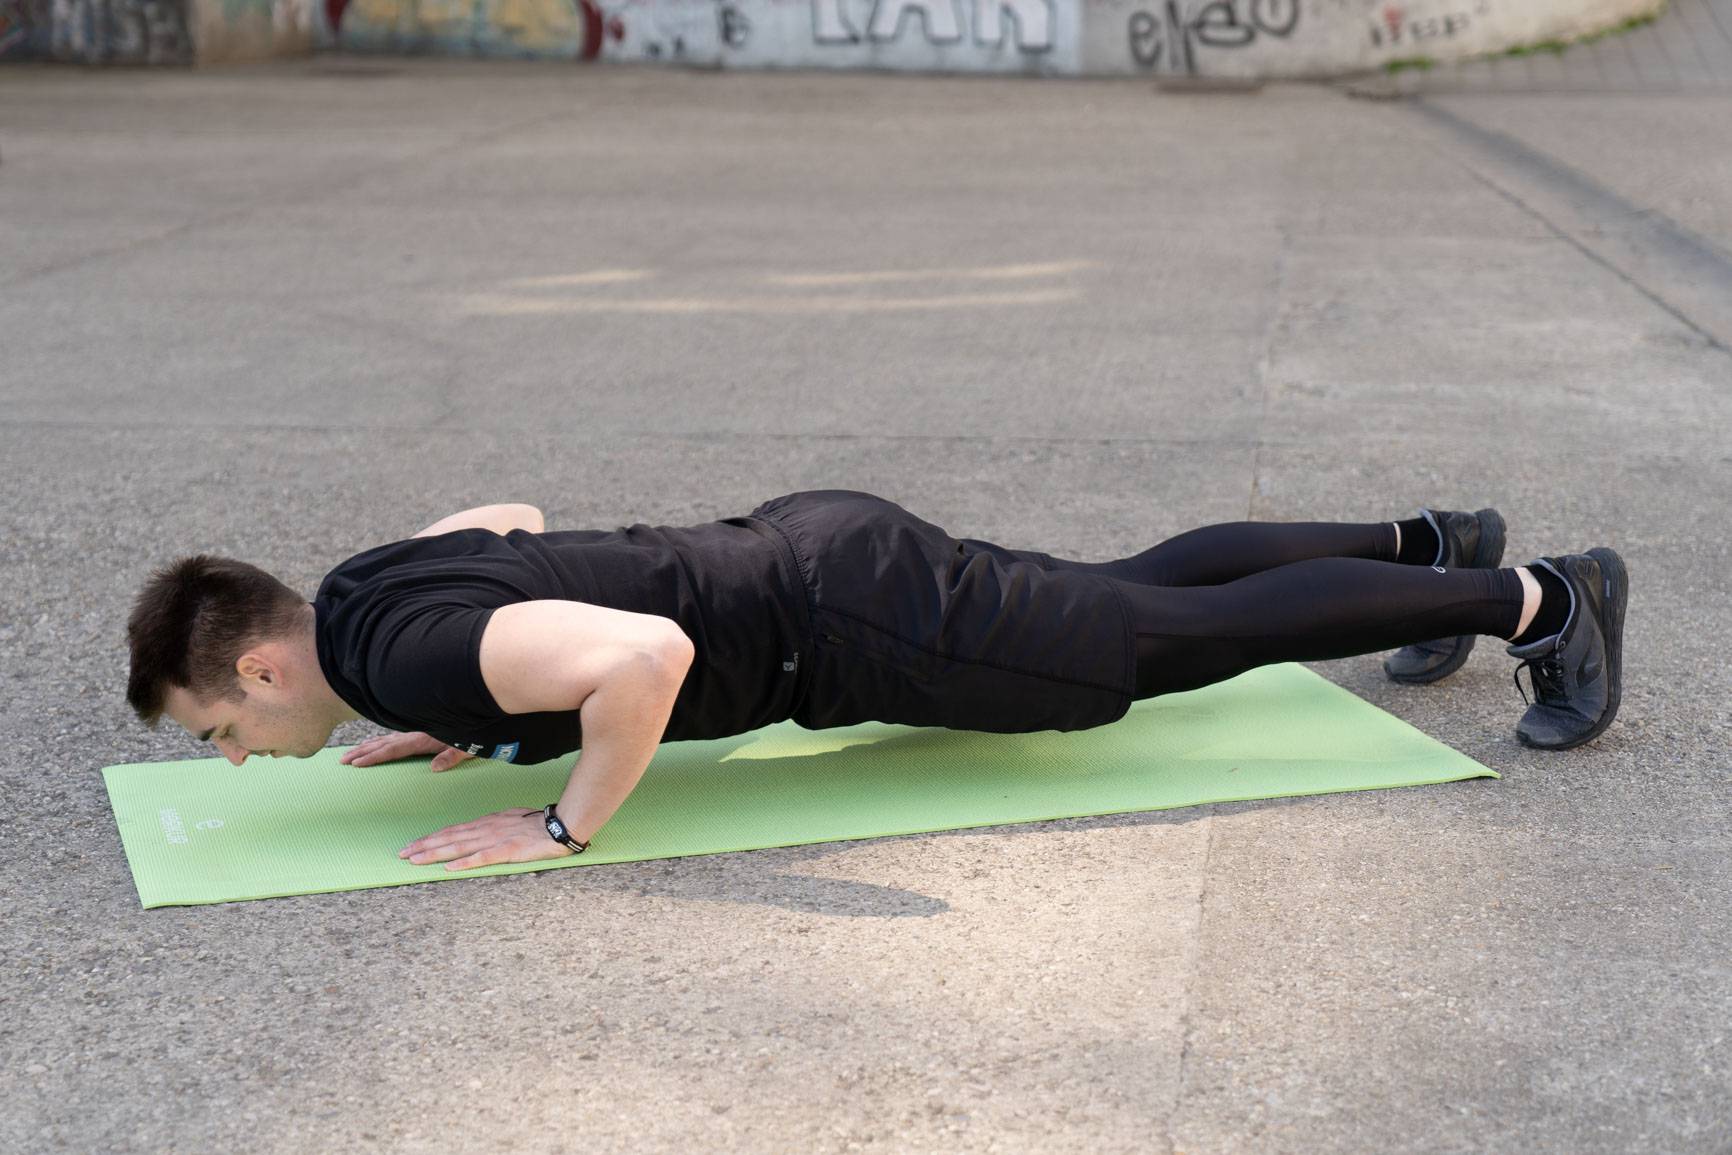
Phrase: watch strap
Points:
(557, 830)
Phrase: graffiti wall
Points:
(1309, 38)
(1035, 36)
(946, 35)
(561, 29)
(120, 32)
(1184, 36)
(1233, 38)
(1243, 38)
(154, 31)
(234, 30)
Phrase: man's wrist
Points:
(560, 832)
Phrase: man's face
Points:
(271, 720)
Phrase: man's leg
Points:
(1214, 554)
(1315, 610)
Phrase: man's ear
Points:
(255, 665)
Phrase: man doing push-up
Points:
(486, 636)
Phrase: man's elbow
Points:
(650, 673)
(528, 517)
(677, 651)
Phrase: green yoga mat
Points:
(207, 831)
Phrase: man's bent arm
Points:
(623, 722)
(621, 671)
(501, 519)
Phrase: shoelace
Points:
(1546, 676)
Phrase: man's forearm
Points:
(623, 722)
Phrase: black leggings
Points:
(1217, 601)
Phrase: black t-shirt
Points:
(399, 626)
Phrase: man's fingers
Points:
(459, 842)
(487, 856)
(502, 831)
(358, 750)
(373, 749)
(440, 837)
(452, 849)
(482, 849)
(446, 836)
(391, 747)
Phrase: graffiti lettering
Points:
(484, 27)
(733, 25)
(830, 25)
(292, 16)
(633, 29)
(133, 31)
(1172, 36)
(943, 26)
(940, 22)
(1394, 27)
(15, 28)
(1033, 23)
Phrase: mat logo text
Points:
(175, 829)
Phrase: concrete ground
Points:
(289, 312)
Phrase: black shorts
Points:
(914, 626)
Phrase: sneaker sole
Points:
(1491, 535)
(1617, 582)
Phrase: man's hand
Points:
(515, 835)
(391, 747)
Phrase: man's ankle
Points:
(1416, 543)
(1550, 599)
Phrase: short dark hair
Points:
(191, 623)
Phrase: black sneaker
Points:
(1577, 673)
(1470, 541)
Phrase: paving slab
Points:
(1406, 919)
(1621, 143)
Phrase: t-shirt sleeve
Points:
(424, 663)
(424, 666)
(401, 630)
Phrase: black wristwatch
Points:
(556, 830)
